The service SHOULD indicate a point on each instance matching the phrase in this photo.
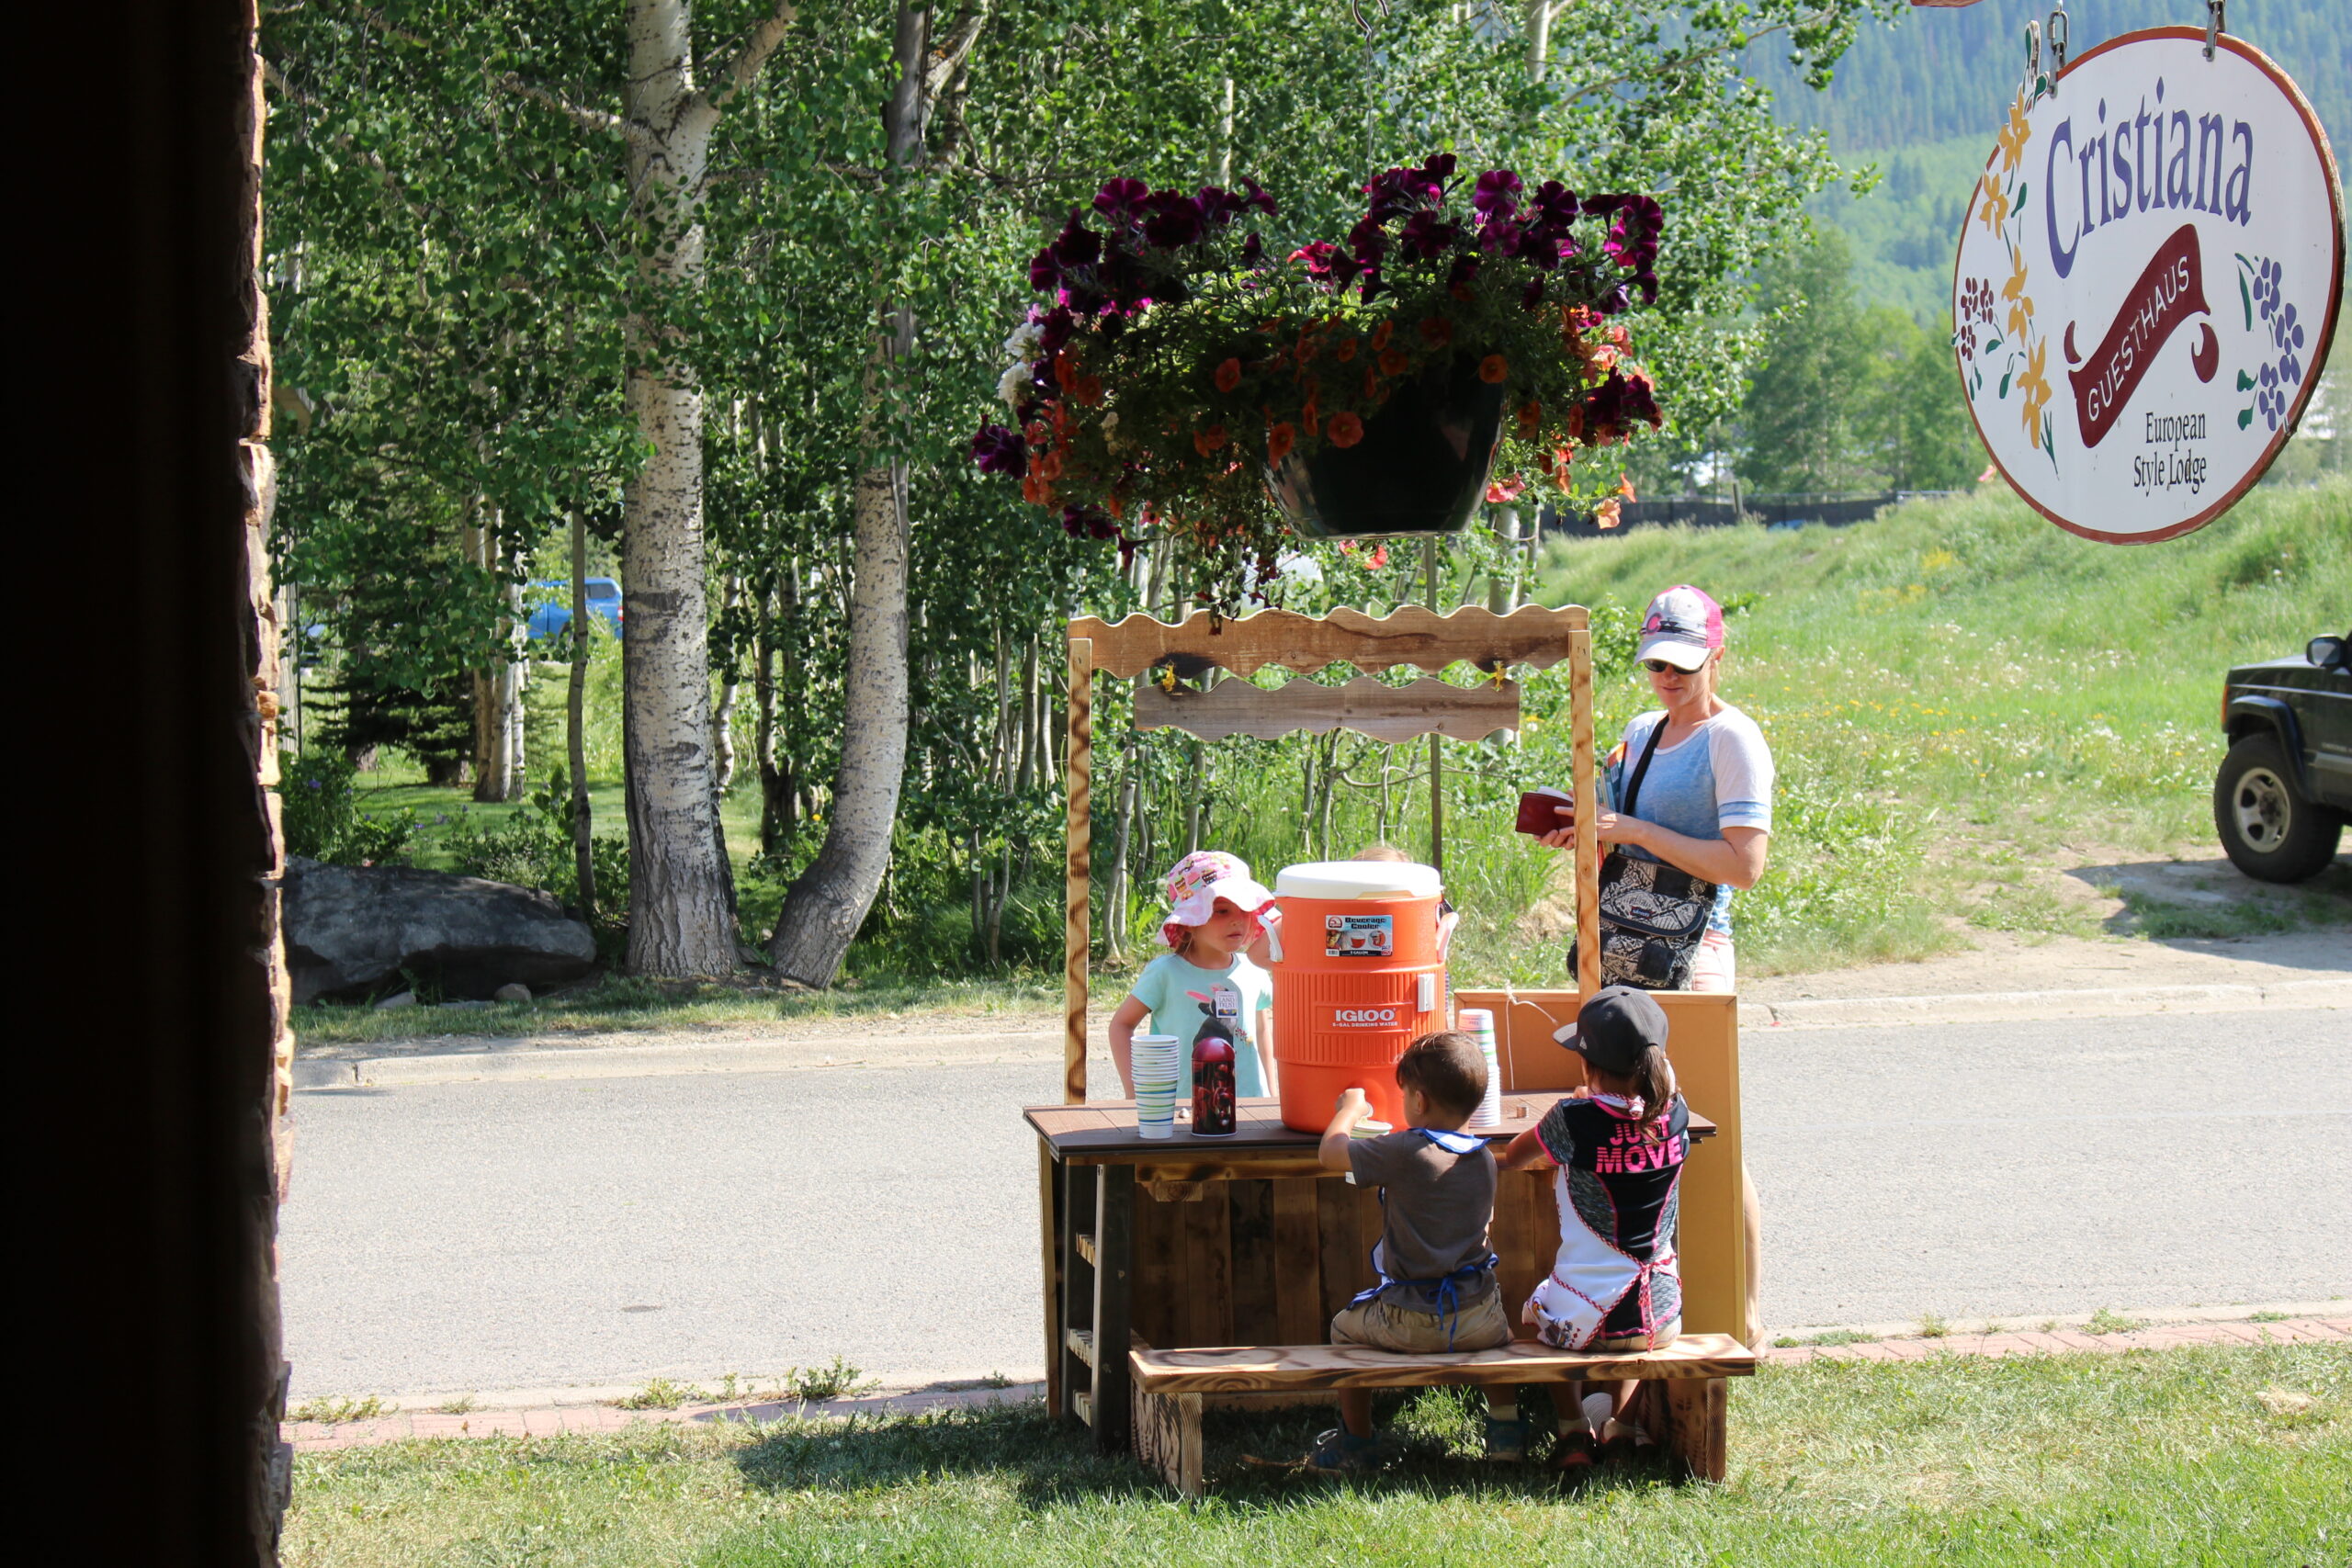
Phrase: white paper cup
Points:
(1368, 1128)
(1480, 1022)
(1157, 1063)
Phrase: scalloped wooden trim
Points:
(1411, 635)
(1426, 707)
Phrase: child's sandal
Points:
(1575, 1452)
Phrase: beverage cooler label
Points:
(1359, 936)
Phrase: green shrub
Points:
(318, 804)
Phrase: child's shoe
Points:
(1506, 1440)
(1573, 1453)
(1340, 1451)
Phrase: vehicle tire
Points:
(2268, 828)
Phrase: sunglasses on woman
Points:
(1661, 666)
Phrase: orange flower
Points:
(1576, 422)
(1371, 382)
(1088, 391)
(1279, 442)
(1437, 331)
(1607, 513)
(1049, 466)
(1626, 486)
(1346, 429)
(1229, 375)
(1392, 362)
(1307, 346)
(1493, 369)
(1036, 432)
(2014, 136)
(1066, 369)
(1035, 491)
(1346, 351)
(1115, 504)
(1462, 291)
(1207, 441)
(1309, 418)
(1380, 334)
(1530, 420)
(1505, 490)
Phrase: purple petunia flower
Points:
(996, 450)
(1633, 236)
(1502, 237)
(1076, 246)
(1427, 236)
(1256, 199)
(1497, 197)
(1320, 257)
(1175, 219)
(1555, 204)
(1463, 269)
(1253, 249)
(1532, 297)
(1121, 201)
(1369, 240)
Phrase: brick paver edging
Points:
(312, 1436)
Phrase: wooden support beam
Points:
(1413, 634)
(1392, 714)
(1077, 923)
(1168, 1438)
(1588, 840)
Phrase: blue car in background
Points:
(552, 617)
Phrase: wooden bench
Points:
(1689, 1421)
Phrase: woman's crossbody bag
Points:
(1652, 914)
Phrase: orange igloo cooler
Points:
(1359, 977)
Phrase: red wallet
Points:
(1538, 812)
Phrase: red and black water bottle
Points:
(1212, 1059)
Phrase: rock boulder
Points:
(352, 932)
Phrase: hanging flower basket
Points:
(1184, 381)
(1421, 467)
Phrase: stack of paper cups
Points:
(1158, 1064)
(1480, 1022)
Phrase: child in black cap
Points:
(1619, 1143)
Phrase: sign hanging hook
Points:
(2216, 23)
(2059, 32)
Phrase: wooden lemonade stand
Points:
(1186, 1269)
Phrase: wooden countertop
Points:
(1103, 1132)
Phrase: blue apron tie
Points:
(1446, 1288)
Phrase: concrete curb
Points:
(795, 1053)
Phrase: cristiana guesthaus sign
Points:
(2147, 282)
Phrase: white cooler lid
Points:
(1357, 879)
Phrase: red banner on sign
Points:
(2170, 290)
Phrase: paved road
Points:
(510, 1235)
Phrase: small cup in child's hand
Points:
(1539, 811)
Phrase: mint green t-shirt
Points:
(1168, 987)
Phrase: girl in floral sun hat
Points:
(1215, 908)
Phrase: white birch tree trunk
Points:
(679, 918)
(829, 901)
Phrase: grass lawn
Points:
(2180, 1457)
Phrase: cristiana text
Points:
(2151, 158)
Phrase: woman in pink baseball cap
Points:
(1691, 779)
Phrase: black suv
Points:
(2285, 790)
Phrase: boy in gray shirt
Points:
(1437, 1289)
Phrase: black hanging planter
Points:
(1421, 467)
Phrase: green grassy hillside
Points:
(1960, 695)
